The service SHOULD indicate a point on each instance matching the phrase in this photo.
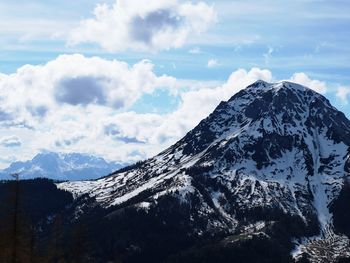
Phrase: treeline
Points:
(40, 224)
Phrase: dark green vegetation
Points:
(25, 206)
(51, 227)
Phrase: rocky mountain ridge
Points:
(274, 151)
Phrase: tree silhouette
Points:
(14, 248)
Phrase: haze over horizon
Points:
(125, 79)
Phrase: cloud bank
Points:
(77, 81)
(76, 103)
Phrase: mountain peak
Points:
(260, 82)
(277, 86)
(272, 150)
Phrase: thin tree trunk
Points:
(15, 221)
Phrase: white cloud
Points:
(343, 93)
(10, 141)
(303, 79)
(63, 104)
(212, 63)
(198, 104)
(79, 104)
(195, 50)
(144, 25)
(268, 55)
(77, 80)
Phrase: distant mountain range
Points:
(61, 166)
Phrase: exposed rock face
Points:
(273, 151)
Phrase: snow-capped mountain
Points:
(274, 152)
(61, 166)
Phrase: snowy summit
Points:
(272, 149)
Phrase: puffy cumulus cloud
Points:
(76, 80)
(303, 79)
(144, 25)
(342, 94)
(10, 141)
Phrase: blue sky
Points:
(96, 76)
